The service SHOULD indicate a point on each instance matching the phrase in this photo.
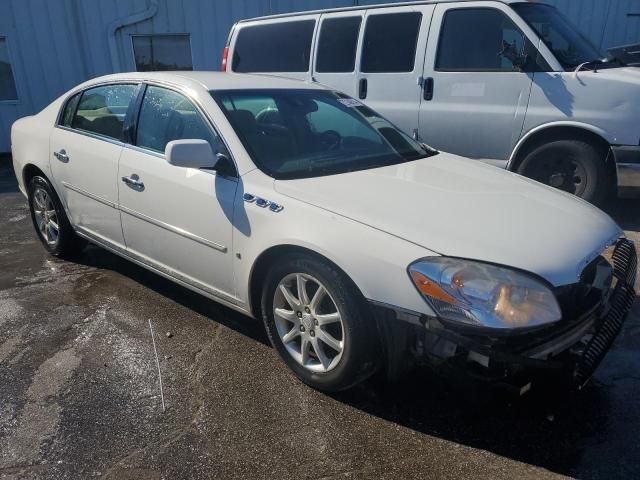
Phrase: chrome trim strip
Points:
(95, 136)
(628, 175)
(167, 272)
(104, 201)
(174, 229)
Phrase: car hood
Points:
(464, 208)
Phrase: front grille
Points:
(624, 269)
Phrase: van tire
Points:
(574, 166)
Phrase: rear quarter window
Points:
(274, 47)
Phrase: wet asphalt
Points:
(80, 398)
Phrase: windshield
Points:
(309, 133)
(563, 39)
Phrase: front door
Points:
(85, 148)
(476, 100)
(391, 61)
(178, 220)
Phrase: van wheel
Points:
(574, 166)
(50, 220)
(319, 323)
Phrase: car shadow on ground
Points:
(547, 427)
(98, 258)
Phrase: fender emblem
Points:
(262, 202)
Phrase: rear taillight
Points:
(225, 55)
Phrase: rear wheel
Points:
(574, 166)
(319, 323)
(50, 220)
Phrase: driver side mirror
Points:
(190, 153)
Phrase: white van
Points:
(508, 82)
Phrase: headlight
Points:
(484, 295)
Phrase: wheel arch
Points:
(266, 258)
(556, 131)
(31, 170)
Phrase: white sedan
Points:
(359, 248)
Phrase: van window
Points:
(102, 110)
(338, 44)
(390, 42)
(275, 47)
(563, 39)
(165, 116)
(471, 39)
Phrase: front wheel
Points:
(319, 323)
(575, 166)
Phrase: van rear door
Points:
(391, 61)
(336, 50)
(475, 99)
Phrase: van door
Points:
(336, 50)
(475, 99)
(391, 62)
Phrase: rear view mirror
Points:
(190, 153)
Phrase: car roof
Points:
(367, 7)
(209, 80)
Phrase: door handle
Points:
(428, 88)
(133, 182)
(61, 155)
(362, 89)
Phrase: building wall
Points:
(56, 44)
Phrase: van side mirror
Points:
(190, 153)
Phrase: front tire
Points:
(574, 166)
(50, 220)
(319, 323)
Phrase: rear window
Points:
(275, 47)
(338, 44)
(101, 110)
(390, 42)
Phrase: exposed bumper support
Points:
(628, 164)
(575, 347)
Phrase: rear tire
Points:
(337, 328)
(50, 220)
(574, 166)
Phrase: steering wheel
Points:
(331, 140)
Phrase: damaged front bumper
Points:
(573, 346)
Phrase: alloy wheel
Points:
(46, 216)
(308, 322)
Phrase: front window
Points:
(563, 39)
(308, 133)
(165, 116)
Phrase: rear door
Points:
(336, 50)
(391, 62)
(279, 46)
(85, 150)
(476, 101)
